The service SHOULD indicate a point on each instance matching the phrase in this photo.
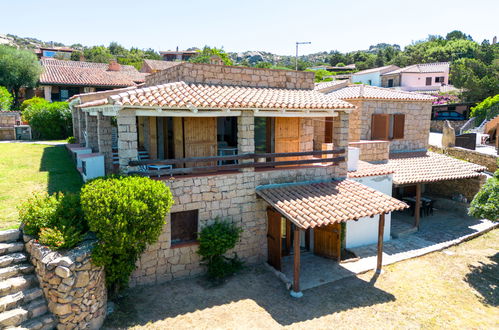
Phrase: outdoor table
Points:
(158, 167)
(227, 151)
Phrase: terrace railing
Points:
(215, 164)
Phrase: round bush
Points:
(49, 120)
(126, 214)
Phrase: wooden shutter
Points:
(178, 137)
(380, 126)
(328, 134)
(274, 241)
(398, 126)
(287, 136)
(200, 138)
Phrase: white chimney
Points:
(353, 158)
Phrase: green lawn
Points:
(26, 168)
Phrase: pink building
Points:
(418, 77)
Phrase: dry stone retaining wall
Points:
(74, 288)
(472, 156)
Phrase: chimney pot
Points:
(114, 66)
(216, 60)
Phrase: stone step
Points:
(6, 248)
(17, 316)
(15, 270)
(10, 235)
(18, 298)
(12, 259)
(15, 284)
(44, 322)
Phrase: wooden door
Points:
(287, 136)
(274, 242)
(200, 139)
(327, 241)
(328, 134)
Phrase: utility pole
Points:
(299, 43)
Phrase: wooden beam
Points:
(417, 211)
(381, 231)
(296, 265)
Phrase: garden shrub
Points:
(486, 202)
(6, 99)
(56, 220)
(49, 120)
(487, 109)
(33, 102)
(71, 140)
(214, 241)
(126, 214)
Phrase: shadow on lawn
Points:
(145, 304)
(62, 173)
(485, 280)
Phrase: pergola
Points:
(311, 205)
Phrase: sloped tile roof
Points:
(78, 73)
(423, 167)
(330, 85)
(203, 96)
(422, 68)
(158, 65)
(321, 204)
(359, 91)
(381, 69)
(365, 169)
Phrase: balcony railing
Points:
(214, 164)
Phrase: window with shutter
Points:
(398, 126)
(380, 126)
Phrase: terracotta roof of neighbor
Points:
(381, 69)
(422, 68)
(359, 91)
(367, 169)
(78, 73)
(202, 96)
(320, 204)
(158, 65)
(430, 167)
(330, 85)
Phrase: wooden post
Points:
(417, 211)
(381, 230)
(296, 272)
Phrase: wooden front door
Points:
(327, 241)
(200, 139)
(287, 136)
(274, 242)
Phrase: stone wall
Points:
(306, 134)
(7, 133)
(9, 118)
(74, 288)
(233, 75)
(438, 125)
(472, 156)
(416, 127)
(395, 77)
(372, 151)
(466, 187)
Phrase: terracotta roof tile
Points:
(330, 85)
(422, 68)
(79, 73)
(367, 169)
(202, 96)
(430, 167)
(381, 69)
(158, 65)
(319, 204)
(357, 91)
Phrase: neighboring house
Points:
(54, 52)
(330, 68)
(234, 143)
(418, 77)
(372, 77)
(152, 66)
(182, 55)
(61, 79)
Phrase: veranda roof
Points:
(320, 204)
(425, 167)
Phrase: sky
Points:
(271, 25)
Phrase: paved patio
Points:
(439, 231)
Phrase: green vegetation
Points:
(48, 120)
(320, 74)
(18, 68)
(126, 213)
(214, 241)
(56, 220)
(478, 79)
(26, 169)
(487, 109)
(486, 202)
(206, 53)
(5, 99)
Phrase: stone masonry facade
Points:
(416, 128)
(372, 151)
(74, 287)
(466, 187)
(233, 75)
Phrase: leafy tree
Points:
(18, 68)
(336, 57)
(98, 54)
(486, 202)
(320, 74)
(456, 34)
(207, 52)
(265, 65)
(5, 99)
(476, 78)
(487, 109)
(76, 55)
